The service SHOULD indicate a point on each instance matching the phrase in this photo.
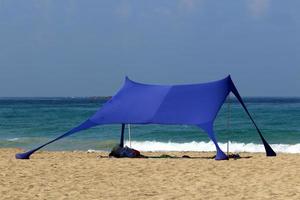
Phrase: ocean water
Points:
(29, 122)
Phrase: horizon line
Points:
(109, 96)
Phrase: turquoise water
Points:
(28, 122)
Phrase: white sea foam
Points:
(95, 151)
(209, 146)
(12, 139)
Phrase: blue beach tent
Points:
(137, 103)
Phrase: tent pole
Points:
(129, 135)
(122, 136)
(228, 121)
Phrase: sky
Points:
(86, 48)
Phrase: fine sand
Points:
(82, 175)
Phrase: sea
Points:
(29, 122)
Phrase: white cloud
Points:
(124, 9)
(190, 5)
(258, 8)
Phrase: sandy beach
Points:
(82, 175)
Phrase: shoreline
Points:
(104, 153)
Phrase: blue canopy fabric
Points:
(137, 103)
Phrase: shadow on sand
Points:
(230, 157)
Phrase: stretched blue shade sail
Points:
(137, 103)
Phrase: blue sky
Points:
(85, 48)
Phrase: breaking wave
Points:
(209, 146)
(12, 139)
